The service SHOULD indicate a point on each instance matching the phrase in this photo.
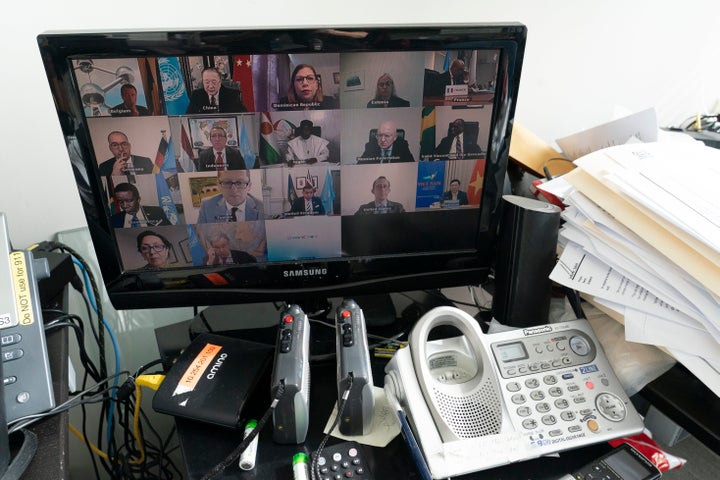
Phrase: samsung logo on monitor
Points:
(305, 272)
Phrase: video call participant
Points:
(387, 147)
(154, 248)
(133, 214)
(455, 194)
(220, 253)
(129, 107)
(435, 82)
(123, 162)
(381, 204)
(219, 157)
(214, 97)
(385, 96)
(308, 204)
(234, 203)
(456, 144)
(305, 92)
(307, 148)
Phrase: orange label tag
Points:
(196, 369)
(216, 279)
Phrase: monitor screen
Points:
(232, 166)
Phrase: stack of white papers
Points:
(642, 237)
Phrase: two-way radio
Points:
(353, 370)
(291, 370)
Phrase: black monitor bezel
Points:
(270, 281)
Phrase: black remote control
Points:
(343, 460)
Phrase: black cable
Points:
(96, 294)
(23, 457)
(85, 434)
(159, 455)
(125, 464)
(314, 466)
(89, 311)
(119, 465)
(248, 439)
(100, 339)
(67, 321)
(144, 368)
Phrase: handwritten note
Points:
(385, 425)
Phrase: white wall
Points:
(582, 60)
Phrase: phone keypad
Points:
(565, 402)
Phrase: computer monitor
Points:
(340, 172)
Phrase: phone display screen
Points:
(510, 352)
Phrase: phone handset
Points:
(456, 376)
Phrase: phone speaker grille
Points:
(472, 415)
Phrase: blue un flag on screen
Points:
(165, 199)
(245, 148)
(196, 250)
(169, 164)
(173, 84)
(327, 196)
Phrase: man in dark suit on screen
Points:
(454, 196)
(129, 106)
(381, 204)
(457, 146)
(220, 253)
(219, 157)
(133, 214)
(214, 97)
(123, 162)
(308, 204)
(234, 203)
(387, 147)
(435, 83)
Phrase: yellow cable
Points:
(150, 381)
(82, 438)
(136, 426)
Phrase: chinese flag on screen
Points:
(242, 72)
(474, 189)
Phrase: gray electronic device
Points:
(291, 416)
(353, 358)
(513, 395)
(26, 369)
(4, 440)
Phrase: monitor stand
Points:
(379, 310)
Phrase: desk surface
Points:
(206, 445)
(677, 393)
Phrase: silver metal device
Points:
(291, 369)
